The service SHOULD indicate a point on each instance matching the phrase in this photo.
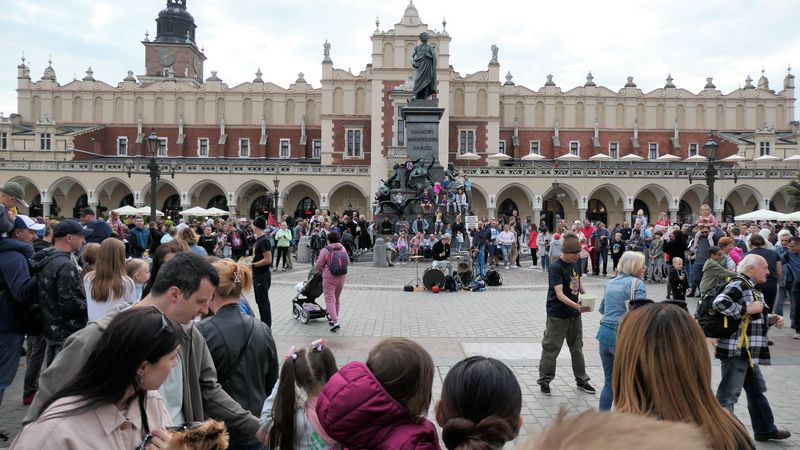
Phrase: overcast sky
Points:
(692, 40)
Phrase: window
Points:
(3, 140)
(466, 142)
(202, 147)
(535, 145)
(501, 147)
(652, 150)
(401, 128)
(693, 149)
(353, 143)
(575, 148)
(122, 146)
(45, 141)
(316, 149)
(244, 148)
(613, 150)
(162, 147)
(764, 148)
(286, 149)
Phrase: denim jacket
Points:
(618, 292)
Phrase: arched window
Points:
(218, 201)
(261, 206)
(507, 207)
(36, 207)
(685, 214)
(547, 212)
(597, 211)
(172, 206)
(83, 202)
(728, 213)
(126, 201)
(305, 208)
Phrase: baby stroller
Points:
(304, 306)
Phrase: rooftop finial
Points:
(444, 24)
(377, 24)
(23, 61)
(258, 76)
(709, 83)
(630, 83)
(326, 52)
(50, 60)
(494, 54)
(509, 79)
(146, 36)
(669, 81)
(590, 79)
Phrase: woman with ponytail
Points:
(480, 405)
(289, 417)
(242, 347)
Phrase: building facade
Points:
(331, 146)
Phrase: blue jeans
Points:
(737, 375)
(697, 274)
(784, 294)
(481, 263)
(506, 248)
(607, 358)
(602, 261)
(545, 262)
(10, 352)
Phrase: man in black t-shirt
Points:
(262, 260)
(564, 317)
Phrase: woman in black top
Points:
(460, 233)
(675, 248)
(769, 287)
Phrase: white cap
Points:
(23, 222)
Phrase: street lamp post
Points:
(710, 148)
(554, 208)
(154, 169)
(275, 194)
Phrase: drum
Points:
(466, 277)
(463, 267)
(433, 277)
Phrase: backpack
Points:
(337, 261)
(493, 278)
(714, 323)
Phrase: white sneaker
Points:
(796, 336)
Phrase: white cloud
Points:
(102, 15)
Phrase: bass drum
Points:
(433, 277)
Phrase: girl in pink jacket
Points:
(381, 405)
(332, 283)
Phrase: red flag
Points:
(271, 220)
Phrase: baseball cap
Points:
(100, 231)
(70, 226)
(87, 211)
(23, 222)
(15, 190)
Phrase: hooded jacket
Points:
(356, 411)
(17, 286)
(202, 395)
(61, 295)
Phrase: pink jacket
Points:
(321, 265)
(736, 255)
(356, 411)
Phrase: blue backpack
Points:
(337, 261)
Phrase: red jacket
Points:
(356, 411)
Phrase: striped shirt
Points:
(733, 301)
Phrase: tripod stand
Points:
(416, 281)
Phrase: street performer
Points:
(441, 252)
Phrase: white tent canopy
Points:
(762, 214)
(216, 212)
(145, 211)
(500, 156)
(195, 211)
(793, 216)
(126, 210)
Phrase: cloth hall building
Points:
(331, 146)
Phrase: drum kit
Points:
(437, 276)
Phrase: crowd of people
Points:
(137, 337)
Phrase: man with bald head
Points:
(741, 358)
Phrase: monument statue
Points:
(423, 59)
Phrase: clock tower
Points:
(174, 53)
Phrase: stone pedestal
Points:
(422, 134)
(303, 250)
(379, 254)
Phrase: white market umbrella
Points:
(733, 158)
(195, 211)
(695, 159)
(668, 158)
(795, 216)
(767, 158)
(216, 212)
(762, 214)
(500, 157)
(600, 157)
(568, 157)
(793, 158)
(631, 157)
(126, 210)
(145, 210)
(469, 156)
(532, 157)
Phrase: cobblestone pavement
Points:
(505, 322)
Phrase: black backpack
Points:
(714, 323)
(493, 278)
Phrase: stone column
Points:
(673, 215)
(582, 213)
(490, 213)
(537, 217)
(279, 209)
(626, 215)
(46, 208)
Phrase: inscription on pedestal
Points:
(422, 140)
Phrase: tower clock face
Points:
(196, 65)
(166, 56)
